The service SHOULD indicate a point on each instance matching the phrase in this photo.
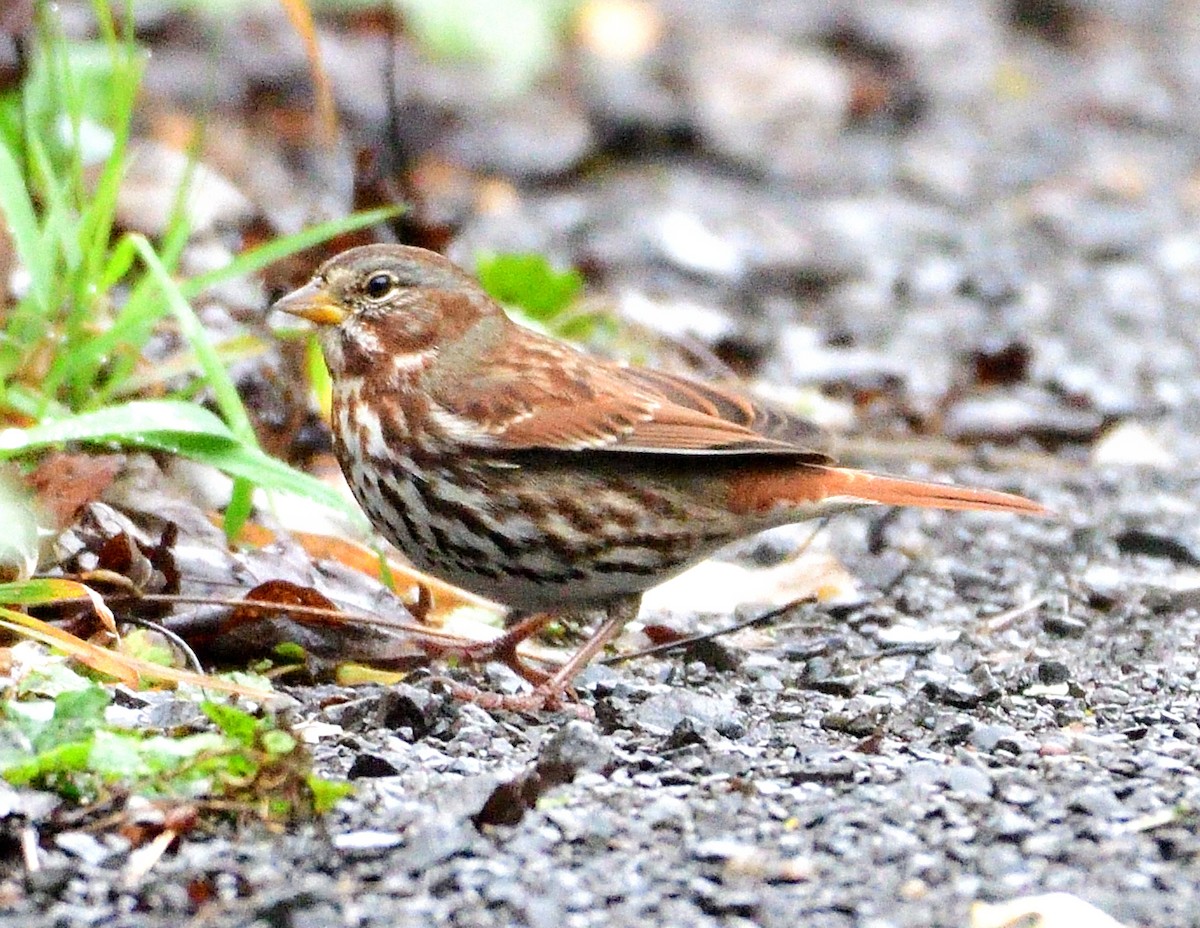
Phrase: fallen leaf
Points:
(64, 483)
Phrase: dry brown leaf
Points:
(65, 483)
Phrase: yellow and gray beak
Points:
(314, 303)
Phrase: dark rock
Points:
(370, 765)
(959, 694)
(1052, 672)
(713, 654)
(1064, 626)
(1155, 544)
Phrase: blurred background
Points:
(974, 220)
(962, 234)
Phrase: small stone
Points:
(989, 738)
(83, 846)
(1016, 794)
(1098, 801)
(905, 639)
(50, 880)
(969, 781)
(857, 724)
(959, 694)
(714, 655)
(805, 651)
(367, 843)
(662, 712)
(819, 676)
(715, 900)
(824, 771)
(370, 765)
(1011, 825)
(667, 812)
(576, 746)
(1052, 672)
(1131, 444)
(1064, 626)
(1110, 696)
(954, 730)
(435, 841)
(1053, 692)
(1044, 845)
(997, 860)
(1156, 544)
(1105, 585)
(537, 136)
(718, 850)
(1020, 412)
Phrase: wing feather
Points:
(557, 398)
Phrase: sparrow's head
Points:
(381, 303)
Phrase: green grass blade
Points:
(257, 258)
(224, 392)
(184, 429)
(256, 466)
(21, 219)
(116, 348)
(127, 424)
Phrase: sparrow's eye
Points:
(379, 285)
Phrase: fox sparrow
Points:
(520, 468)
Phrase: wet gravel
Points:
(1010, 707)
(1015, 714)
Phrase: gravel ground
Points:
(1006, 239)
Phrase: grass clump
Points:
(72, 339)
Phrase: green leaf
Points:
(51, 768)
(116, 756)
(237, 511)
(179, 428)
(326, 793)
(290, 651)
(42, 591)
(530, 283)
(126, 756)
(51, 677)
(184, 429)
(145, 645)
(278, 742)
(77, 713)
(233, 722)
(126, 424)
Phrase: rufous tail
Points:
(815, 484)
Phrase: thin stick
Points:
(763, 619)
